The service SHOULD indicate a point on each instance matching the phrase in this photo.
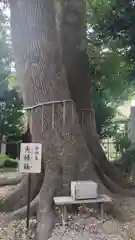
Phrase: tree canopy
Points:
(114, 23)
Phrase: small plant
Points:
(7, 162)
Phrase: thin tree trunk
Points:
(42, 79)
(73, 36)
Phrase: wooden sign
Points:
(30, 158)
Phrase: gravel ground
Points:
(77, 229)
(80, 227)
(85, 229)
(84, 226)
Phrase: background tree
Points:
(110, 67)
(11, 114)
(113, 23)
(5, 54)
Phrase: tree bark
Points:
(42, 79)
(22, 212)
(73, 35)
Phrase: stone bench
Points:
(65, 201)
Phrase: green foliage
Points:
(11, 115)
(112, 87)
(5, 54)
(122, 142)
(114, 23)
(6, 162)
(104, 114)
(110, 68)
(113, 37)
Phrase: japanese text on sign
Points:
(30, 158)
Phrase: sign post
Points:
(30, 162)
(28, 201)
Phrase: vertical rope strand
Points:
(82, 119)
(64, 113)
(72, 114)
(90, 120)
(30, 120)
(53, 109)
(42, 119)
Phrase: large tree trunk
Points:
(73, 34)
(42, 79)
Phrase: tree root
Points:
(21, 213)
(115, 188)
(18, 197)
(112, 186)
(108, 169)
(51, 186)
(46, 217)
(10, 181)
(126, 162)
